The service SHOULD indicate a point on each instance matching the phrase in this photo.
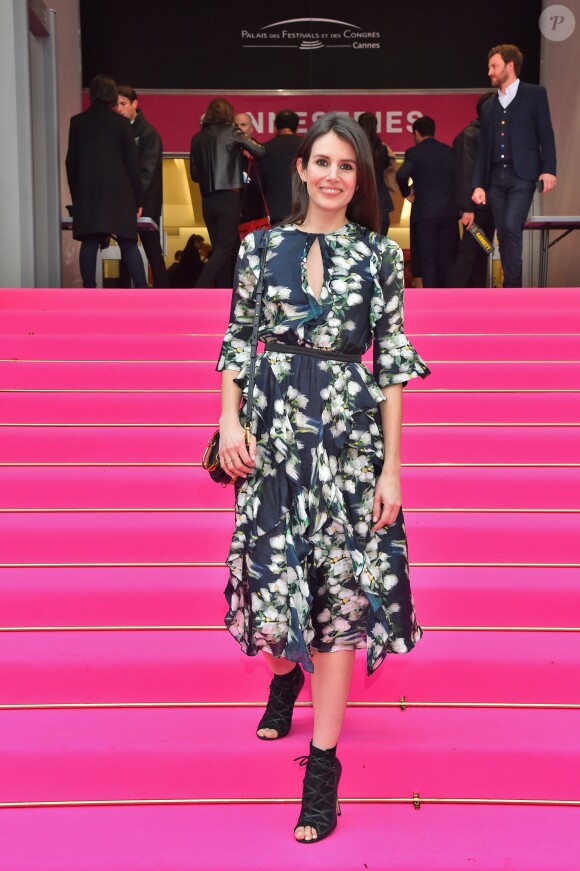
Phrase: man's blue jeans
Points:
(510, 198)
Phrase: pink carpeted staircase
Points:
(127, 712)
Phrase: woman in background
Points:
(190, 265)
(216, 164)
(384, 163)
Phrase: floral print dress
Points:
(306, 572)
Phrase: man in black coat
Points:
(102, 169)
(472, 262)
(431, 166)
(516, 151)
(276, 164)
(150, 149)
(253, 206)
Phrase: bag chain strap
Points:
(254, 341)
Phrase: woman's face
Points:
(330, 175)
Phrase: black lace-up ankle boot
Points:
(320, 805)
(284, 690)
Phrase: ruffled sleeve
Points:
(394, 358)
(235, 350)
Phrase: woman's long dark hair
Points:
(219, 111)
(363, 209)
(369, 124)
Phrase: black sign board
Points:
(304, 45)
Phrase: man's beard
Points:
(499, 81)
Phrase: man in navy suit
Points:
(434, 215)
(516, 150)
(276, 164)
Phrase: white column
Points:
(559, 74)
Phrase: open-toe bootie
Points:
(320, 805)
(284, 690)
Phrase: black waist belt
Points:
(280, 348)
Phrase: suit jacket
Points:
(531, 135)
(276, 169)
(431, 165)
(150, 150)
(102, 167)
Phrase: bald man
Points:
(245, 123)
(253, 204)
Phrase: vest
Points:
(502, 146)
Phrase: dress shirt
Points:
(510, 93)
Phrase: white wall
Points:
(29, 159)
(17, 268)
(69, 75)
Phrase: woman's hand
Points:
(387, 501)
(235, 458)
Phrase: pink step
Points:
(494, 346)
(116, 322)
(108, 376)
(192, 838)
(174, 444)
(442, 313)
(512, 319)
(108, 408)
(421, 407)
(187, 487)
(21, 444)
(490, 444)
(177, 538)
(178, 408)
(172, 754)
(149, 596)
(110, 347)
(563, 300)
(154, 596)
(466, 375)
(127, 596)
(121, 299)
(491, 488)
(150, 666)
(174, 376)
(111, 487)
(207, 347)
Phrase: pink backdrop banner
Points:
(177, 116)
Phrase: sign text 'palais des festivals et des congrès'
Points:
(310, 34)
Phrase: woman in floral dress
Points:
(318, 561)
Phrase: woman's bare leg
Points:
(330, 688)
